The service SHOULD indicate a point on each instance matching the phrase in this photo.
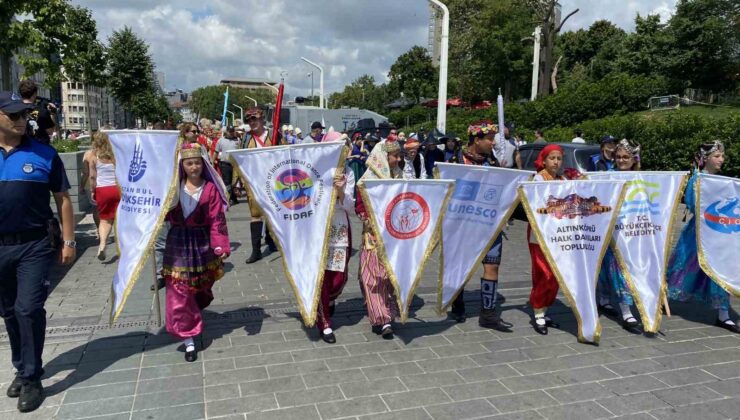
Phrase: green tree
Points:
(704, 47)
(413, 74)
(644, 51)
(362, 93)
(52, 35)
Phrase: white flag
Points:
(642, 235)
(573, 222)
(482, 202)
(294, 188)
(406, 218)
(718, 229)
(146, 171)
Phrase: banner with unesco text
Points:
(406, 219)
(482, 202)
(294, 188)
(718, 229)
(573, 223)
(146, 171)
(642, 235)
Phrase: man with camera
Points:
(30, 238)
(41, 118)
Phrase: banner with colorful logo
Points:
(146, 171)
(482, 202)
(642, 235)
(406, 219)
(718, 229)
(573, 223)
(294, 188)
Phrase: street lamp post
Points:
(271, 87)
(321, 80)
(233, 116)
(311, 76)
(251, 99)
(241, 112)
(442, 95)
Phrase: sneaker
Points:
(31, 396)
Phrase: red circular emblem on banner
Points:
(407, 216)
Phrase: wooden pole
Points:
(156, 292)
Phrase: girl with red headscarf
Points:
(544, 283)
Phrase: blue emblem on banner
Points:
(138, 165)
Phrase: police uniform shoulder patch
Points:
(28, 168)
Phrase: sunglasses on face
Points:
(15, 116)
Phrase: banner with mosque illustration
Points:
(573, 223)
(406, 220)
(718, 229)
(482, 202)
(294, 188)
(146, 172)
(642, 235)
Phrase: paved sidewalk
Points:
(259, 362)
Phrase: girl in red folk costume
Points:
(382, 308)
(197, 243)
(544, 283)
(340, 240)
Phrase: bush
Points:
(66, 146)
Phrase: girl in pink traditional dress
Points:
(376, 285)
(340, 241)
(197, 243)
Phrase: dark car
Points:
(575, 155)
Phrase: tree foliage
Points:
(413, 75)
(362, 93)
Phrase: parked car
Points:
(575, 155)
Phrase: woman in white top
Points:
(105, 189)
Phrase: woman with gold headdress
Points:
(686, 280)
(197, 243)
(383, 163)
(611, 278)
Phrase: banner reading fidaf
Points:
(573, 223)
(406, 218)
(482, 202)
(642, 235)
(294, 188)
(146, 169)
(718, 229)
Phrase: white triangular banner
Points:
(294, 188)
(718, 229)
(406, 218)
(573, 222)
(642, 235)
(146, 171)
(482, 202)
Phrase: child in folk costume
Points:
(382, 308)
(197, 243)
(544, 283)
(626, 158)
(686, 279)
(340, 246)
(479, 152)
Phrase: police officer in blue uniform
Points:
(29, 242)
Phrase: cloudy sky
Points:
(197, 43)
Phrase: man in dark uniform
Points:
(29, 172)
(40, 122)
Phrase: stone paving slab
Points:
(259, 362)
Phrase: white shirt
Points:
(504, 152)
(578, 140)
(189, 199)
(408, 169)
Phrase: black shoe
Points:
(256, 256)
(722, 324)
(457, 310)
(607, 309)
(630, 324)
(328, 338)
(191, 356)
(14, 390)
(458, 317)
(387, 333)
(376, 329)
(160, 284)
(256, 236)
(540, 328)
(31, 396)
(490, 319)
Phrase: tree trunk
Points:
(554, 78)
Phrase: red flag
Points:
(276, 114)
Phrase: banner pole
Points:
(156, 291)
(665, 305)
